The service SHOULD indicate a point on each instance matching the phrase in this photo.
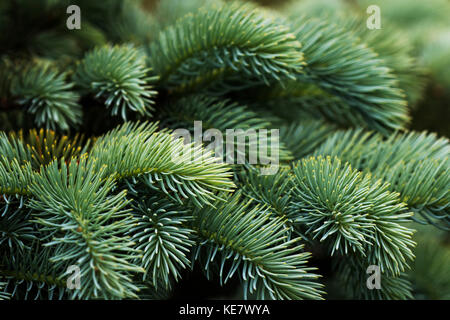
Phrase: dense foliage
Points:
(87, 170)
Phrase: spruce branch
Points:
(214, 112)
(118, 76)
(160, 233)
(28, 274)
(15, 178)
(395, 51)
(351, 212)
(233, 39)
(415, 164)
(23, 154)
(14, 149)
(367, 87)
(46, 93)
(391, 45)
(271, 191)
(46, 145)
(245, 241)
(140, 153)
(16, 229)
(75, 202)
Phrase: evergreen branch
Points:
(367, 87)
(391, 45)
(75, 202)
(23, 154)
(140, 153)
(15, 179)
(45, 145)
(163, 239)
(14, 149)
(16, 231)
(415, 164)
(119, 77)
(248, 240)
(351, 145)
(231, 39)
(270, 191)
(28, 274)
(46, 93)
(422, 185)
(350, 211)
(138, 206)
(395, 51)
